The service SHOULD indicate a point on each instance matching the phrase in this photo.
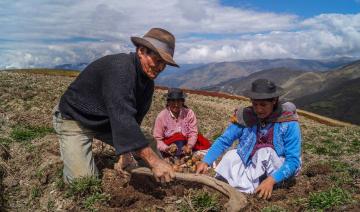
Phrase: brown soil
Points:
(143, 192)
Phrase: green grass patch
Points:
(94, 199)
(327, 199)
(35, 192)
(50, 205)
(354, 146)
(88, 191)
(341, 178)
(339, 166)
(197, 201)
(84, 186)
(328, 147)
(28, 133)
(5, 141)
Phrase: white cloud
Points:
(324, 36)
(70, 31)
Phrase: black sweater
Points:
(112, 95)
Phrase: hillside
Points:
(341, 102)
(238, 85)
(31, 167)
(215, 73)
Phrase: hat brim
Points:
(253, 95)
(137, 41)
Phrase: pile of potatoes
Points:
(186, 164)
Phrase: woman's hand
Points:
(187, 150)
(172, 149)
(201, 168)
(264, 190)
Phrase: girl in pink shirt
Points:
(177, 124)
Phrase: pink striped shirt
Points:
(166, 125)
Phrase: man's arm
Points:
(163, 172)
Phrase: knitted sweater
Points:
(112, 95)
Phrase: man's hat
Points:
(263, 89)
(160, 41)
(175, 93)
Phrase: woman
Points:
(177, 125)
(269, 149)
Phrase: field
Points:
(31, 179)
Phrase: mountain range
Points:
(214, 73)
(69, 66)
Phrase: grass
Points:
(354, 146)
(95, 198)
(88, 191)
(50, 205)
(5, 141)
(333, 197)
(84, 186)
(35, 192)
(200, 200)
(26, 133)
(59, 181)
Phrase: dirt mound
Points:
(141, 191)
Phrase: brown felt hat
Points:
(263, 89)
(160, 41)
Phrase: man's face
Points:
(151, 62)
(263, 108)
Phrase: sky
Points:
(46, 33)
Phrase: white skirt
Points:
(246, 179)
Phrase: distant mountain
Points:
(341, 102)
(78, 66)
(169, 75)
(215, 73)
(297, 83)
(280, 76)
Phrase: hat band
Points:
(161, 45)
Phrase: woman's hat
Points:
(174, 94)
(263, 89)
(160, 41)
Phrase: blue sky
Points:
(302, 8)
(75, 31)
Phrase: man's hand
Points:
(187, 149)
(264, 190)
(125, 162)
(201, 168)
(163, 172)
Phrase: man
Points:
(108, 101)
